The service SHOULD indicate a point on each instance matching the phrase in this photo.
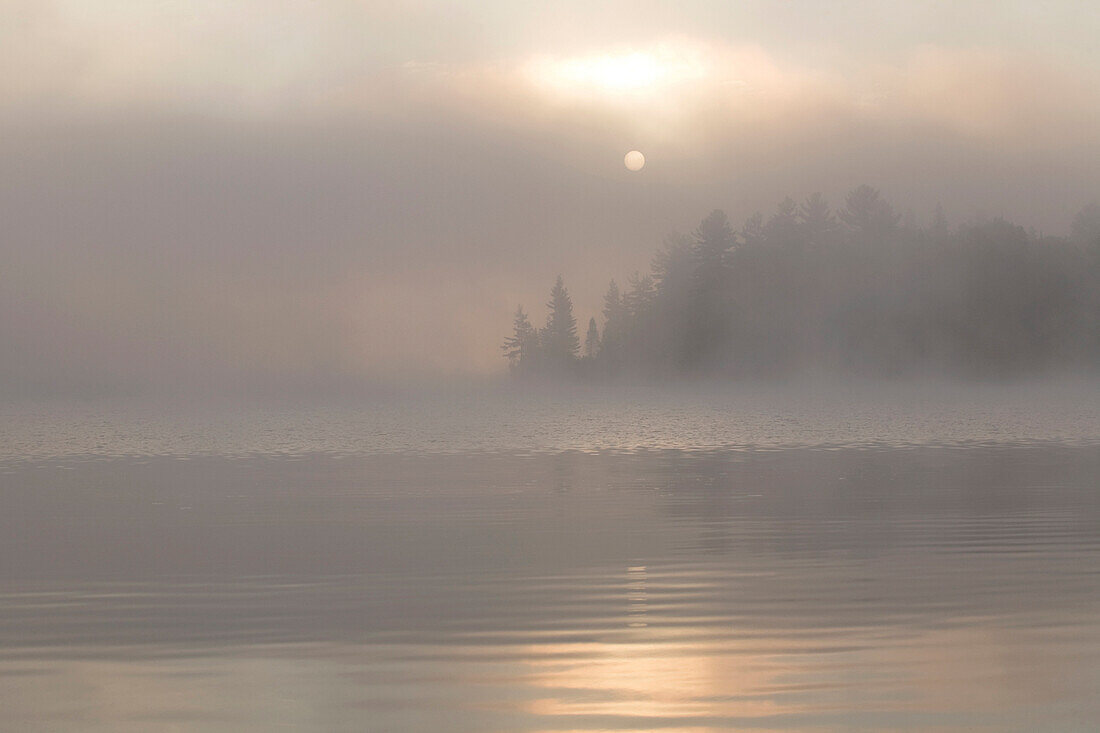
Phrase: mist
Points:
(234, 197)
(440, 365)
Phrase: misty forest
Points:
(862, 290)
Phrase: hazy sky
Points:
(269, 189)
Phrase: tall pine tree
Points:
(560, 343)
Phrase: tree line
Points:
(858, 290)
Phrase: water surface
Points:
(890, 584)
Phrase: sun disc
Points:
(634, 160)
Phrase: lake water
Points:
(812, 558)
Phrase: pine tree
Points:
(612, 305)
(614, 327)
(816, 220)
(782, 229)
(869, 215)
(640, 298)
(521, 348)
(752, 233)
(592, 340)
(672, 262)
(559, 338)
(713, 241)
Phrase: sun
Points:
(634, 160)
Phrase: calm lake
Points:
(813, 558)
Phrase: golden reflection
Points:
(700, 677)
(652, 671)
(652, 677)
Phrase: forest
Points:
(858, 291)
